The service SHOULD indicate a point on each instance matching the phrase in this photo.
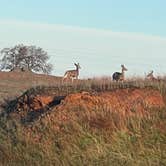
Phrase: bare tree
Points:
(30, 57)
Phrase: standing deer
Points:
(72, 74)
(117, 76)
(151, 77)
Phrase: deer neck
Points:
(123, 73)
(77, 69)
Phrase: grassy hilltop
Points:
(89, 122)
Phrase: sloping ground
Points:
(119, 127)
(107, 111)
(125, 102)
(15, 83)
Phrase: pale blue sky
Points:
(145, 16)
(99, 34)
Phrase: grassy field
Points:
(68, 137)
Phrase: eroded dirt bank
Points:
(126, 102)
(98, 110)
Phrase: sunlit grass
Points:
(101, 137)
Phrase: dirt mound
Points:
(30, 107)
(125, 102)
(98, 110)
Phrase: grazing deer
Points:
(151, 77)
(72, 74)
(117, 76)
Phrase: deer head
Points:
(150, 74)
(77, 65)
(123, 68)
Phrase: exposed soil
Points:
(91, 106)
(123, 100)
(99, 110)
(127, 102)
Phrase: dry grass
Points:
(97, 137)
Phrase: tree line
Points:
(31, 58)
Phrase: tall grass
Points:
(143, 142)
(103, 84)
(101, 137)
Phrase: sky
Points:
(100, 35)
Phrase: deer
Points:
(151, 77)
(117, 76)
(72, 74)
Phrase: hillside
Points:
(90, 122)
(15, 83)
